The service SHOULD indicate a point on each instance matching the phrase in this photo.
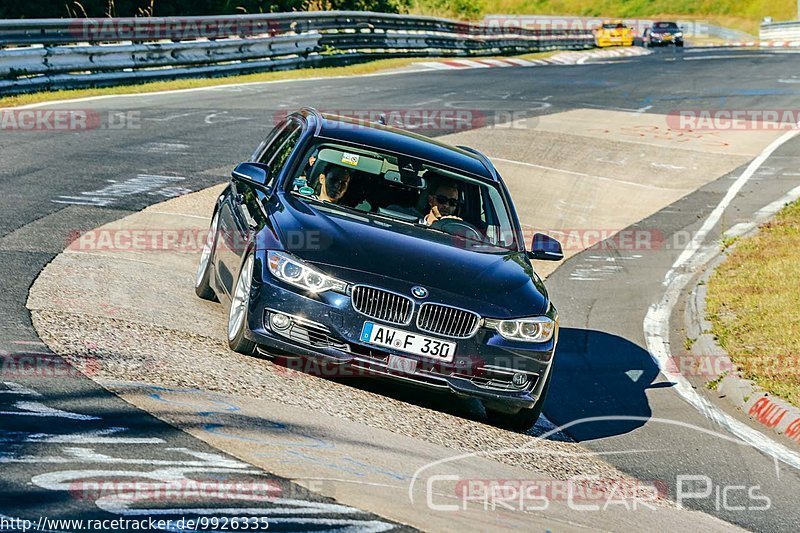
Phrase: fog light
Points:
(280, 321)
(519, 379)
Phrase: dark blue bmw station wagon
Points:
(356, 244)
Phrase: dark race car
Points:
(385, 253)
(663, 34)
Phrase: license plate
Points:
(405, 341)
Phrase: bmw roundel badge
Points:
(419, 292)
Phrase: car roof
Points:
(380, 137)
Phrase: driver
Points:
(443, 203)
(333, 184)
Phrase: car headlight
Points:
(533, 329)
(679, 34)
(295, 272)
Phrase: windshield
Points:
(613, 26)
(665, 26)
(407, 191)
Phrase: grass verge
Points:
(754, 305)
(369, 67)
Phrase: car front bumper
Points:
(664, 41)
(613, 41)
(326, 328)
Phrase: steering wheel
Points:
(458, 227)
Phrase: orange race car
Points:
(613, 33)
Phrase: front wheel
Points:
(237, 318)
(525, 418)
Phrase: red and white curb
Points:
(562, 58)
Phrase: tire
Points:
(525, 418)
(237, 317)
(202, 282)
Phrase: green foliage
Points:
(714, 383)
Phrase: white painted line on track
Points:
(657, 321)
(730, 56)
(739, 229)
(769, 210)
(580, 174)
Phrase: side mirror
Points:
(255, 173)
(545, 248)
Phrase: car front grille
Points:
(382, 305)
(448, 321)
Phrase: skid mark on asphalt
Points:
(150, 184)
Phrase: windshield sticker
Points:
(350, 159)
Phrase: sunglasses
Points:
(442, 199)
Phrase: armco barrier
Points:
(780, 31)
(68, 53)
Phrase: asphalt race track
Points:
(53, 184)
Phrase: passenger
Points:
(333, 184)
(443, 203)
